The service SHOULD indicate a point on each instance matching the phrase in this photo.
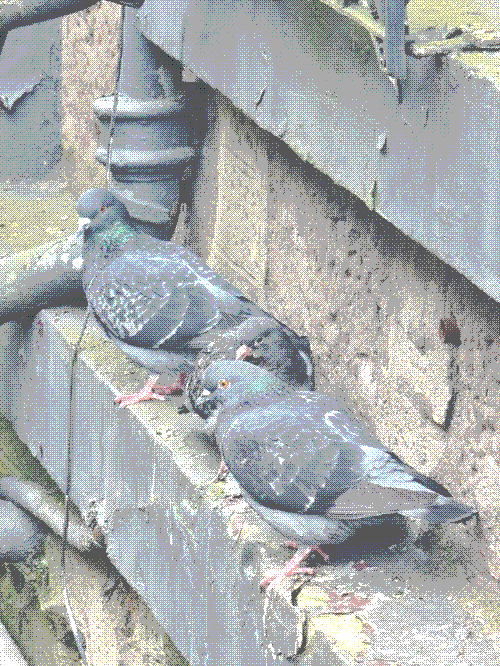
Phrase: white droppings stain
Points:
(65, 257)
(311, 500)
(333, 413)
(309, 365)
(205, 392)
(77, 263)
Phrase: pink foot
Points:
(292, 544)
(242, 352)
(223, 471)
(147, 393)
(291, 568)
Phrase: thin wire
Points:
(69, 457)
(112, 122)
(69, 447)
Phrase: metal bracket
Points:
(436, 42)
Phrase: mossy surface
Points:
(29, 221)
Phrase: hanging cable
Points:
(69, 448)
(115, 96)
(69, 456)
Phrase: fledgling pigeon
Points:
(163, 306)
(306, 465)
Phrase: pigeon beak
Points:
(242, 352)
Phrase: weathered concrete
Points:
(196, 558)
(9, 652)
(413, 344)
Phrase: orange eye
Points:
(223, 383)
(103, 208)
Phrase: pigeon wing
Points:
(305, 454)
(160, 295)
(276, 460)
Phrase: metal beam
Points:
(430, 164)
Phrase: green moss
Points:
(26, 222)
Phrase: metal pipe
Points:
(152, 144)
(17, 13)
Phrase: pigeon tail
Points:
(444, 510)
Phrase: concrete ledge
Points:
(196, 557)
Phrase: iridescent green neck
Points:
(108, 239)
(118, 234)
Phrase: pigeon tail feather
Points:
(444, 510)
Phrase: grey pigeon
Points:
(306, 465)
(21, 535)
(163, 306)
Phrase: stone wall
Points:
(413, 345)
(89, 56)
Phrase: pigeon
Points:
(163, 306)
(96, 200)
(21, 535)
(307, 465)
(259, 341)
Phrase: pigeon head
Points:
(104, 221)
(93, 202)
(226, 383)
(266, 343)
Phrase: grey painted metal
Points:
(291, 66)
(30, 68)
(17, 13)
(129, 3)
(394, 16)
(152, 145)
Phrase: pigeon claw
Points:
(147, 392)
(133, 398)
(242, 352)
(276, 576)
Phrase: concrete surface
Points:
(196, 557)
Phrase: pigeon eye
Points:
(223, 383)
(103, 208)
